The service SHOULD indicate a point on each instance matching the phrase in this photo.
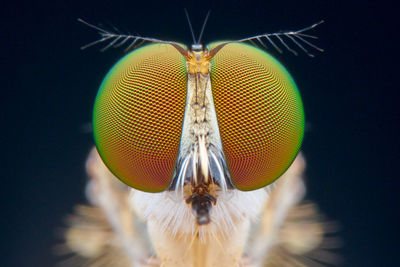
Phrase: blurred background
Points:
(48, 87)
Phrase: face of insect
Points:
(235, 118)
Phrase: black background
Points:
(350, 95)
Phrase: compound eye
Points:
(260, 114)
(138, 116)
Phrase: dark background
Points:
(350, 94)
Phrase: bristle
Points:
(289, 233)
(176, 216)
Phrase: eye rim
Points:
(301, 112)
(95, 114)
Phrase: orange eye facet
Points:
(138, 116)
(260, 114)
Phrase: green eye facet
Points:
(260, 114)
(138, 116)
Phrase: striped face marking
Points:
(231, 115)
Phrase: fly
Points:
(198, 137)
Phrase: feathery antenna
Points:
(204, 25)
(190, 26)
(117, 39)
(298, 38)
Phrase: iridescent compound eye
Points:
(140, 108)
(260, 114)
(138, 116)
